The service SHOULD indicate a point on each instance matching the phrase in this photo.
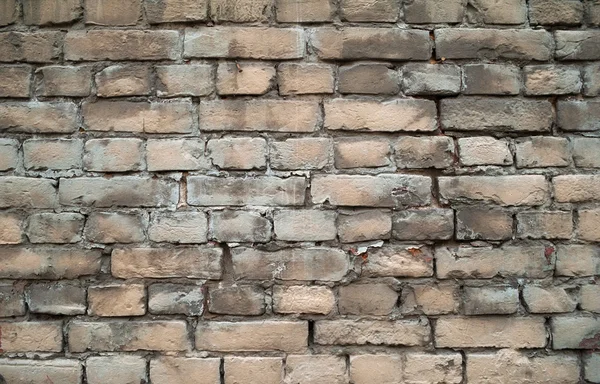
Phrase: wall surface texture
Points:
(299, 191)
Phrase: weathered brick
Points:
(49, 263)
(37, 117)
(65, 371)
(575, 332)
(244, 79)
(115, 369)
(490, 331)
(117, 300)
(190, 262)
(591, 361)
(478, 223)
(424, 152)
(545, 225)
(364, 225)
(363, 10)
(498, 12)
(303, 299)
(305, 78)
(575, 115)
(240, 11)
(253, 370)
(168, 299)
(27, 192)
(238, 153)
(59, 80)
(11, 228)
(123, 80)
(8, 12)
(318, 263)
(496, 114)
(590, 298)
(240, 226)
(589, 222)
(432, 11)
(423, 224)
(593, 16)
(46, 12)
(548, 299)
(185, 370)
(304, 225)
(36, 47)
(484, 151)
(169, 11)
(313, 369)
(555, 12)
(159, 335)
(577, 45)
(371, 43)
(259, 115)
(361, 153)
(399, 261)
(52, 154)
(491, 79)
(591, 79)
(373, 332)
(16, 81)
(184, 80)
(32, 336)
(56, 299)
(12, 302)
(98, 45)
(303, 11)
(431, 79)
(114, 227)
(262, 190)
(367, 369)
(178, 227)
(9, 154)
(373, 191)
(247, 336)
(113, 155)
(366, 299)
(552, 80)
(176, 154)
(368, 79)
(112, 12)
(577, 260)
(132, 116)
(428, 367)
(300, 153)
(492, 44)
(490, 300)
(487, 262)
(55, 227)
(576, 188)
(585, 152)
(516, 190)
(245, 43)
(434, 299)
(245, 300)
(513, 367)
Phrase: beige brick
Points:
(55, 228)
(9, 154)
(245, 300)
(240, 11)
(366, 299)
(37, 47)
(384, 369)
(98, 45)
(498, 12)
(318, 263)
(361, 153)
(58, 80)
(253, 370)
(11, 228)
(300, 153)
(184, 370)
(589, 224)
(56, 299)
(315, 369)
(65, 371)
(491, 79)
(484, 151)
(374, 11)
(244, 79)
(112, 12)
(487, 262)
(303, 299)
(433, 11)
(259, 43)
(32, 336)
(578, 115)
(259, 115)
(123, 80)
(372, 332)
(585, 152)
(252, 336)
(193, 263)
(433, 368)
(490, 331)
(575, 332)
(8, 12)
(176, 154)
(548, 299)
(376, 191)
(577, 260)
(303, 11)
(409, 115)
(368, 79)
(168, 299)
(590, 298)
(240, 226)
(437, 299)
(45, 12)
(27, 192)
(37, 117)
(114, 227)
(576, 188)
(238, 153)
(168, 11)
(552, 12)
(131, 116)
(52, 154)
(364, 225)
(16, 81)
(399, 261)
(49, 263)
(184, 80)
(424, 152)
(474, 223)
(305, 78)
(178, 227)
(545, 225)
(542, 151)
(490, 300)
(115, 369)
(117, 300)
(552, 80)
(304, 225)
(158, 335)
(113, 155)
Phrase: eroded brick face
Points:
(299, 191)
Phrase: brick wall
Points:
(299, 191)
